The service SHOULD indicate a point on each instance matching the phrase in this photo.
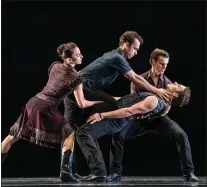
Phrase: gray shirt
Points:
(102, 72)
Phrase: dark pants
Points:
(87, 136)
(160, 125)
(78, 116)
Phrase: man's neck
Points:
(121, 50)
(171, 97)
(155, 74)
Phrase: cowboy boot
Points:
(66, 167)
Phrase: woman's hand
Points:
(94, 118)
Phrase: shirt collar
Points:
(149, 74)
(119, 51)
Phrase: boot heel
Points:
(64, 176)
(118, 179)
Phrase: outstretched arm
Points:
(145, 106)
(140, 82)
(132, 88)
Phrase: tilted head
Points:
(159, 60)
(181, 94)
(129, 43)
(70, 53)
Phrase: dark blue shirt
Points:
(103, 71)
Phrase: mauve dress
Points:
(40, 122)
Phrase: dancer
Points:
(40, 122)
(102, 72)
(106, 123)
(162, 125)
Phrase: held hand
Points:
(164, 94)
(94, 118)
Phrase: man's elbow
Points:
(81, 104)
(130, 111)
(131, 75)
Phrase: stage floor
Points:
(126, 181)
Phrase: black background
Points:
(31, 32)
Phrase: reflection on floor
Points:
(126, 181)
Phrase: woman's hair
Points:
(183, 98)
(66, 50)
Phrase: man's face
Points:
(131, 50)
(76, 57)
(160, 64)
(176, 88)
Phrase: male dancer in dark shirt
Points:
(114, 121)
(160, 124)
(102, 72)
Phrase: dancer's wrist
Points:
(101, 115)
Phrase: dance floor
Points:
(126, 181)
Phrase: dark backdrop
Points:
(31, 32)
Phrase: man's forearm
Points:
(120, 113)
(140, 82)
(124, 112)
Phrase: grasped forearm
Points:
(132, 88)
(140, 82)
(125, 112)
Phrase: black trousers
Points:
(87, 137)
(162, 125)
(78, 116)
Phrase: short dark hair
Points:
(130, 36)
(183, 98)
(158, 52)
(66, 50)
